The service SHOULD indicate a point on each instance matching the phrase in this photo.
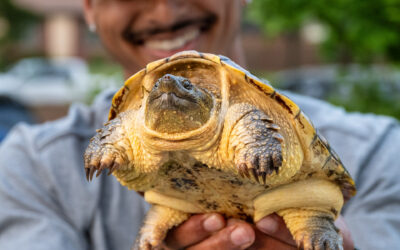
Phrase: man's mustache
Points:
(138, 37)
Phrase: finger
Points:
(345, 232)
(265, 242)
(195, 229)
(237, 235)
(274, 226)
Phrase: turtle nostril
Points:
(167, 77)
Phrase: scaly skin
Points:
(158, 221)
(108, 149)
(312, 229)
(256, 141)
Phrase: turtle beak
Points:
(170, 85)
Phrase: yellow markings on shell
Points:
(293, 108)
(212, 57)
(134, 77)
(151, 66)
(185, 54)
(267, 89)
(125, 92)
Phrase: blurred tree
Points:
(371, 96)
(13, 23)
(361, 31)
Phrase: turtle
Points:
(197, 133)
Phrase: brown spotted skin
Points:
(210, 189)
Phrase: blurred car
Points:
(39, 81)
(12, 112)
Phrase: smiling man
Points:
(46, 202)
(137, 32)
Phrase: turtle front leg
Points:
(158, 221)
(312, 229)
(107, 149)
(256, 142)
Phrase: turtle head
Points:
(176, 105)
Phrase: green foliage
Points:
(104, 74)
(18, 21)
(358, 30)
(370, 97)
(104, 66)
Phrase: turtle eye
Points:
(187, 85)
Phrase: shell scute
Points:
(288, 104)
(130, 93)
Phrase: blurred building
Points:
(62, 29)
(61, 34)
(64, 33)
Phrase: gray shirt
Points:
(46, 202)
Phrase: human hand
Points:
(273, 226)
(211, 231)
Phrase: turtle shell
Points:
(233, 84)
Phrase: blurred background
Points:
(345, 51)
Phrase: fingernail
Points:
(268, 225)
(213, 223)
(241, 237)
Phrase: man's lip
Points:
(139, 37)
(155, 53)
(174, 43)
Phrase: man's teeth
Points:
(173, 44)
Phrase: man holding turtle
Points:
(46, 202)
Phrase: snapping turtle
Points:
(197, 133)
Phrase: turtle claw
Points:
(263, 177)
(87, 170)
(243, 170)
(98, 159)
(99, 172)
(92, 171)
(258, 163)
(257, 143)
(113, 167)
(255, 175)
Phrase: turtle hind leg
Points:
(158, 221)
(312, 229)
